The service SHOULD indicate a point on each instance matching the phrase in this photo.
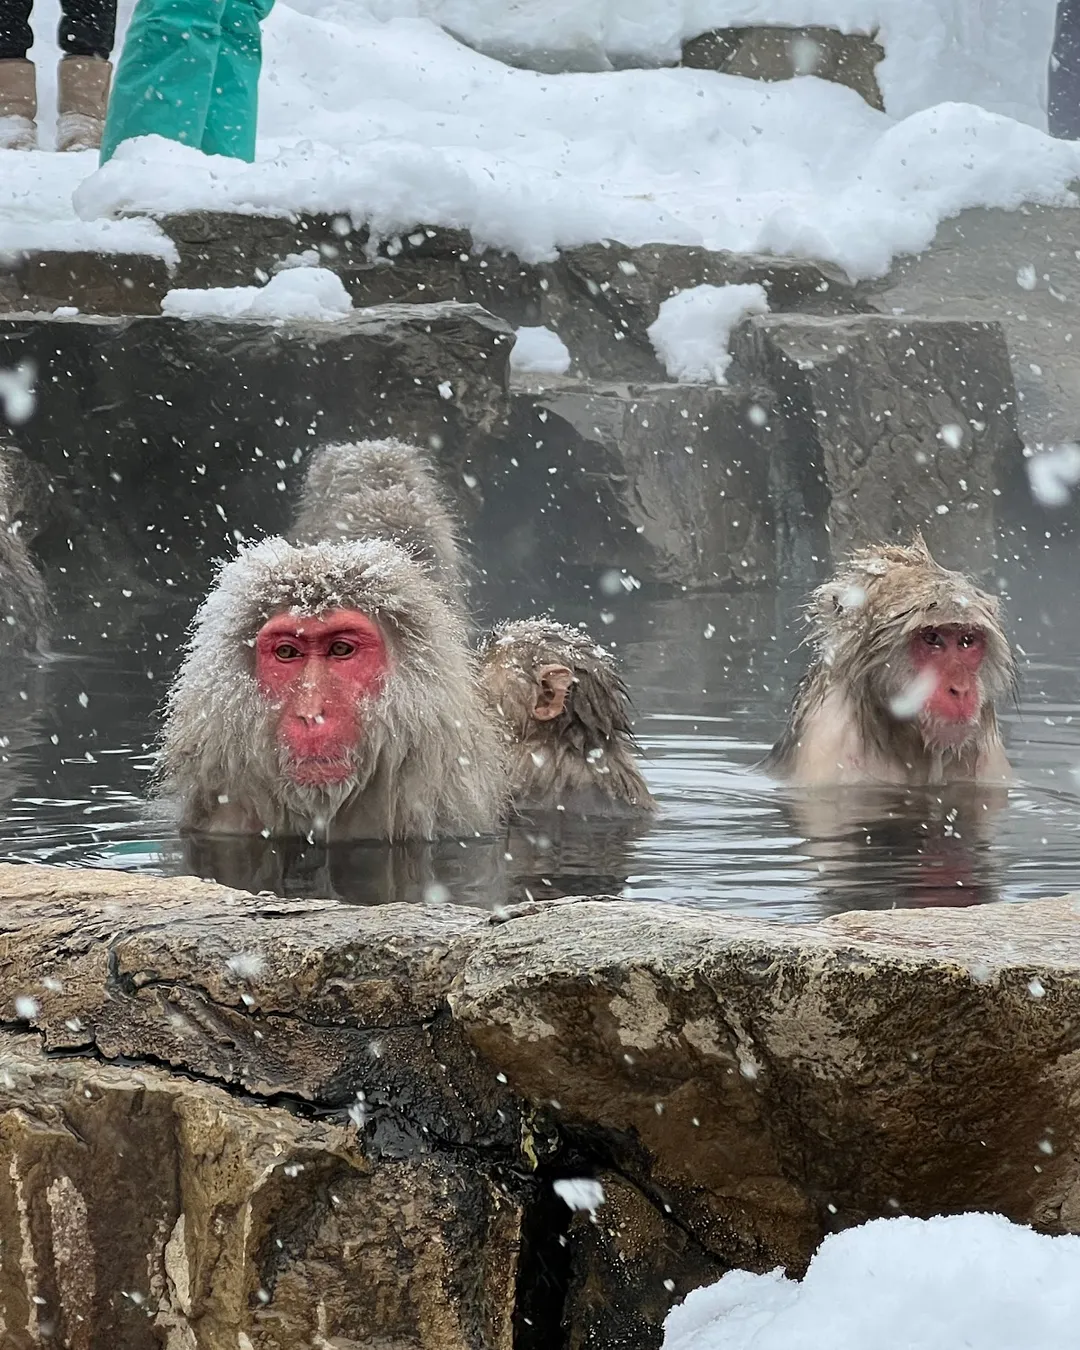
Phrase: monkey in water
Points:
(329, 691)
(557, 698)
(565, 712)
(909, 658)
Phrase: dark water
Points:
(711, 678)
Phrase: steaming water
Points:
(711, 678)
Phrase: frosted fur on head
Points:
(427, 763)
(863, 618)
(382, 489)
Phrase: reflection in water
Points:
(710, 680)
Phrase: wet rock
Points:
(602, 298)
(166, 440)
(778, 53)
(739, 1087)
(141, 1209)
(1019, 269)
(95, 283)
(669, 482)
(887, 424)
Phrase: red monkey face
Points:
(946, 661)
(318, 673)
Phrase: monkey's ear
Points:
(554, 684)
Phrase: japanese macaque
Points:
(328, 691)
(565, 712)
(909, 660)
(381, 490)
(24, 600)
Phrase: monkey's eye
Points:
(341, 647)
(285, 651)
(932, 637)
(967, 640)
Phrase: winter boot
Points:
(82, 96)
(18, 104)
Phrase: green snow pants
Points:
(189, 71)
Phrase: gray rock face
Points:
(886, 424)
(96, 283)
(778, 53)
(167, 439)
(669, 482)
(1017, 268)
(295, 1090)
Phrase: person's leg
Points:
(87, 32)
(1063, 105)
(234, 106)
(18, 85)
(165, 74)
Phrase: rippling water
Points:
(711, 678)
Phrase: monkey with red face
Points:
(328, 691)
(909, 660)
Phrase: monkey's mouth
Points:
(942, 735)
(320, 770)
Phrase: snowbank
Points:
(990, 52)
(691, 331)
(299, 293)
(396, 123)
(899, 1284)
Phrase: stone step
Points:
(92, 283)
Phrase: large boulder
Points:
(167, 439)
(315, 1116)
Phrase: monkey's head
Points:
(313, 669)
(545, 678)
(914, 642)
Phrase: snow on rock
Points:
(580, 1192)
(899, 1284)
(691, 331)
(371, 110)
(539, 351)
(990, 52)
(297, 293)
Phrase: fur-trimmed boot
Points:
(18, 104)
(82, 96)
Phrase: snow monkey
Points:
(568, 735)
(24, 600)
(565, 711)
(329, 690)
(381, 490)
(909, 660)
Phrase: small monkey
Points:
(909, 658)
(565, 712)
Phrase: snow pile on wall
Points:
(990, 52)
(299, 293)
(539, 351)
(691, 331)
(398, 124)
(899, 1284)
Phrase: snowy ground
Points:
(972, 1280)
(394, 121)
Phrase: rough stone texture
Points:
(602, 298)
(867, 407)
(739, 1086)
(975, 267)
(667, 481)
(96, 283)
(776, 53)
(164, 438)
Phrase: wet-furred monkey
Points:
(565, 711)
(909, 658)
(329, 690)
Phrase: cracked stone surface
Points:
(229, 1105)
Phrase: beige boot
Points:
(82, 96)
(18, 104)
